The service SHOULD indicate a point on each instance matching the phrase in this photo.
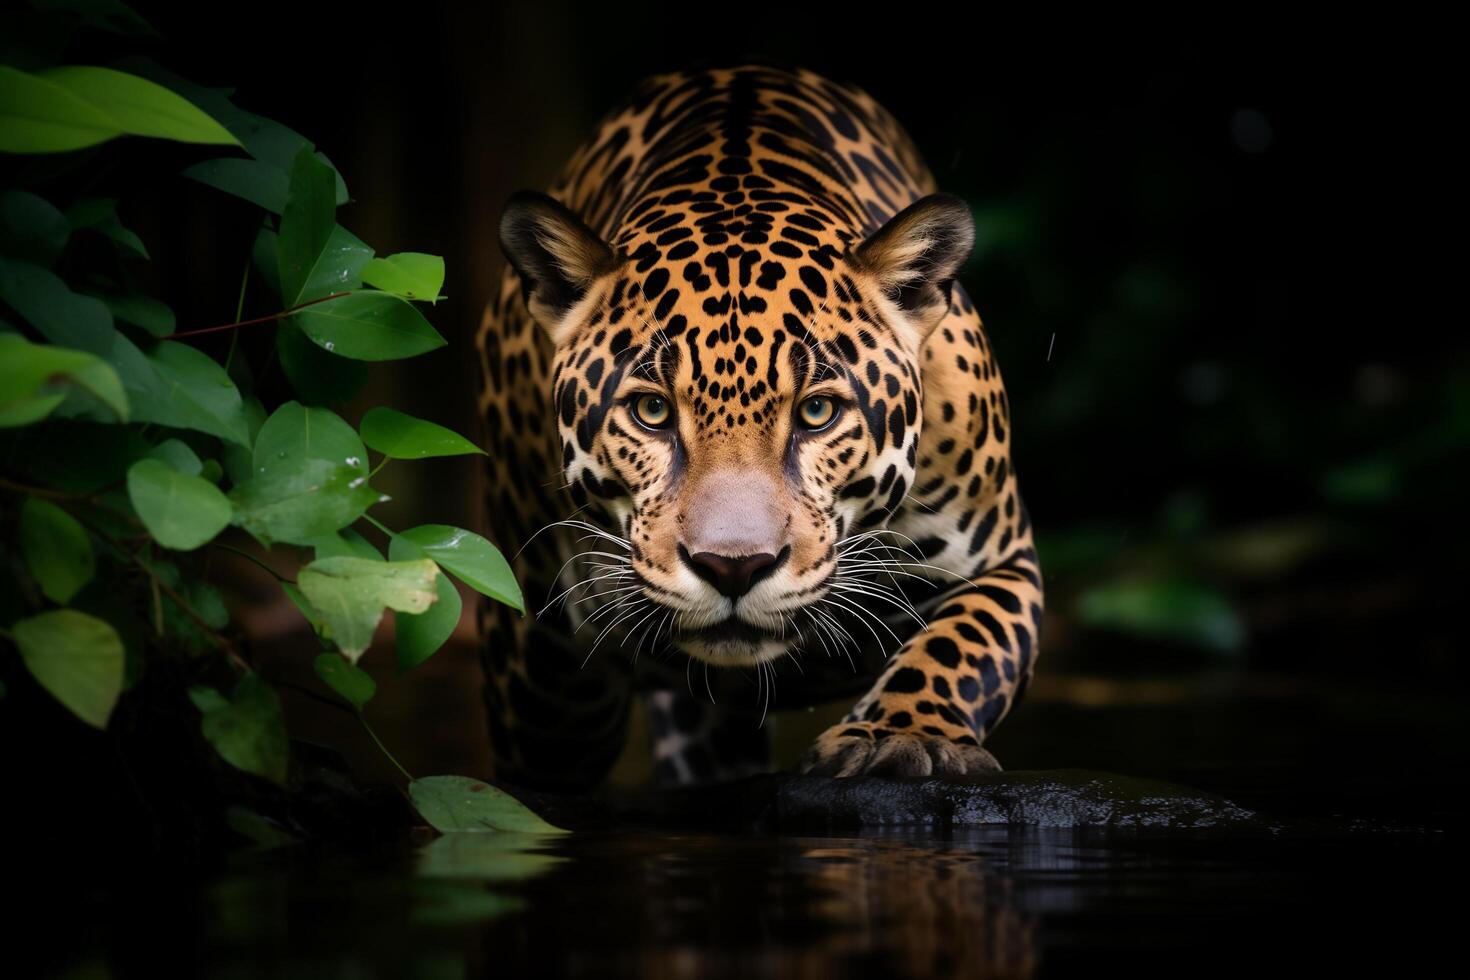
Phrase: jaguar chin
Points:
(733, 642)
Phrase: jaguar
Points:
(746, 434)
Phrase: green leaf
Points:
(294, 433)
(33, 379)
(259, 183)
(298, 506)
(348, 680)
(77, 657)
(418, 636)
(178, 456)
(351, 593)
(318, 376)
(180, 511)
(99, 214)
(141, 311)
(412, 275)
(271, 142)
(62, 316)
(39, 116)
(304, 605)
(470, 558)
(28, 409)
(346, 543)
(207, 699)
(369, 326)
(237, 458)
(400, 436)
(263, 833)
(306, 223)
(458, 803)
(194, 392)
(138, 106)
(248, 731)
(57, 550)
(32, 228)
(337, 268)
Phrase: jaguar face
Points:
(736, 419)
(726, 452)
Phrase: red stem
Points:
(260, 319)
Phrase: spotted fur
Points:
(735, 242)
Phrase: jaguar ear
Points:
(556, 255)
(914, 258)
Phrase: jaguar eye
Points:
(653, 411)
(816, 412)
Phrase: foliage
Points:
(456, 803)
(130, 454)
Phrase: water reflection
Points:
(496, 857)
(926, 911)
(698, 906)
(993, 902)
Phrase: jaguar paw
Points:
(870, 749)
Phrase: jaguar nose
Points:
(732, 575)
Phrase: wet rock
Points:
(1059, 798)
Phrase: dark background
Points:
(1209, 256)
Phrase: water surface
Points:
(991, 901)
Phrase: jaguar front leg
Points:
(945, 689)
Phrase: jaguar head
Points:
(736, 405)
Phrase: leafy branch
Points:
(119, 441)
